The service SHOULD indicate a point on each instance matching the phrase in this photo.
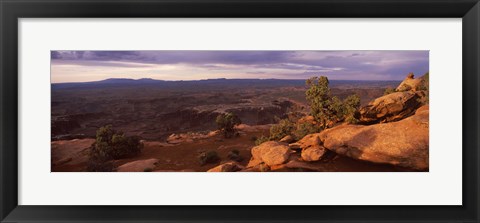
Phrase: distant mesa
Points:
(206, 83)
(126, 80)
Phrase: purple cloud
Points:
(387, 65)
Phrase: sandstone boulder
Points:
(391, 107)
(270, 153)
(227, 167)
(311, 154)
(411, 84)
(287, 139)
(311, 146)
(403, 143)
(422, 109)
(138, 166)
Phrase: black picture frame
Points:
(11, 11)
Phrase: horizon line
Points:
(220, 78)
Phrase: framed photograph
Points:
(228, 111)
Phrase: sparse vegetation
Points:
(226, 124)
(235, 155)
(294, 128)
(319, 97)
(389, 90)
(304, 129)
(148, 169)
(208, 157)
(350, 107)
(283, 128)
(328, 110)
(111, 144)
(261, 140)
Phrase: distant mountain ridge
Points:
(124, 80)
(217, 83)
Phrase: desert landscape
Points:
(311, 122)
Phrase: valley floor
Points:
(72, 156)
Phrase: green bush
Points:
(109, 145)
(226, 124)
(303, 129)
(283, 128)
(328, 110)
(351, 104)
(235, 155)
(208, 157)
(261, 140)
(319, 97)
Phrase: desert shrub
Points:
(261, 140)
(351, 104)
(148, 169)
(319, 97)
(328, 110)
(303, 129)
(208, 157)
(109, 145)
(115, 145)
(235, 155)
(226, 124)
(283, 128)
(389, 90)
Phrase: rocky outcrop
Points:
(408, 96)
(313, 153)
(270, 153)
(287, 139)
(391, 107)
(73, 153)
(293, 164)
(411, 84)
(138, 166)
(310, 140)
(311, 146)
(189, 137)
(227, 167)
(403, 143)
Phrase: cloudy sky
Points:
(81, 66)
